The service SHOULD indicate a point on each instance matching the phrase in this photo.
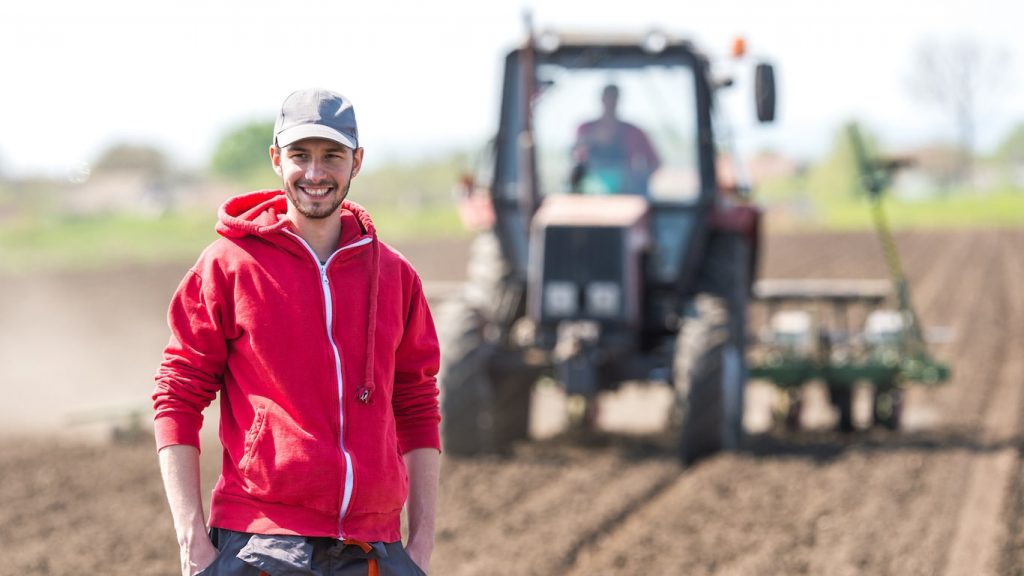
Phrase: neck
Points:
(322, 234)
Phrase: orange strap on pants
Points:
(373, 569)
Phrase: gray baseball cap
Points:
(316, 113)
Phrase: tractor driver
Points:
(612, 156)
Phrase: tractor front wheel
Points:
(486, 406)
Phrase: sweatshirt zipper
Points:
(325, 285)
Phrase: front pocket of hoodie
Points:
(252, 437)
(285, 464)
(382, 483)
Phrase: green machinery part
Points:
(875, 176)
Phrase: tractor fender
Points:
(744, 220)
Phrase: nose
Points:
(314, 171)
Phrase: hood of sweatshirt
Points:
(263, 213)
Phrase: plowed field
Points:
(945, 496)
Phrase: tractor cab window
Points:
(628, 130)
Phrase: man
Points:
(319, 340)
(612, 156)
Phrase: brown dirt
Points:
(77, 352)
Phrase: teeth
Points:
(317, 191)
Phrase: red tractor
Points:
(618, 246)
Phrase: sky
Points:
(424, 76)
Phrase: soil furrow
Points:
(975, 548)
(528, 501)
(1012, 562)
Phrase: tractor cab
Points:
(607, 116)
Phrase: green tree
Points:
(241, 155)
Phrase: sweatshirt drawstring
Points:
(371, 320)
(365, 392)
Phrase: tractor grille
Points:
(583, 273)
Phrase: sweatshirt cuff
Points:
(426, 435)
(177, 428)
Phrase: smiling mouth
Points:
(317, 191)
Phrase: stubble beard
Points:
(316, 211)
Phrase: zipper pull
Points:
(364, 395)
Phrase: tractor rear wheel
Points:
(708, 378)
(486, 407)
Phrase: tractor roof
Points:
(652, 42)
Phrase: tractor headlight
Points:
(561, 298)
(604, 299)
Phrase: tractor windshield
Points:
(617, 130)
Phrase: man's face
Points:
(316, 174)
(610, 99)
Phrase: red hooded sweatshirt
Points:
(326, 374)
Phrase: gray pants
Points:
(243, 554)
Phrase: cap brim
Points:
(294, 134)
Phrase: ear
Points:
(275, 159)
(357, 161)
